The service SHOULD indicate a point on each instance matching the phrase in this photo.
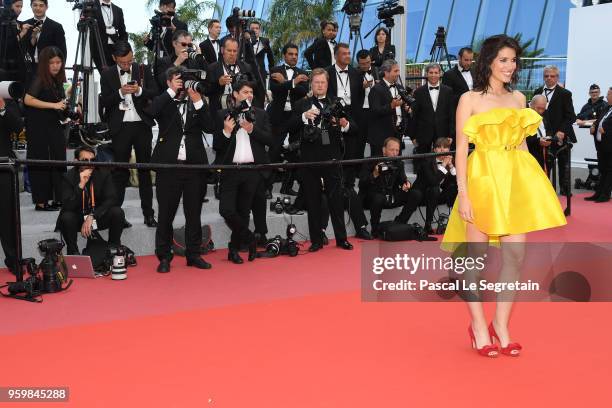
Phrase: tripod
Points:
(355, 29)
(84, 64)
(439, 49)
(242, 44)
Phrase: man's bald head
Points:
(538, 104)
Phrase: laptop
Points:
(79, 266)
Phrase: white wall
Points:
(588, 62)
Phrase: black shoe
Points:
(268, 194)
(45, 207)
(602, 199)
(364, 234)
(57, 204)
(315, 247)
(252, 250)
(199, 263)
(325, 239)
(429, 230)
(150, 221)
(234, 257)
(164, 266)
(262, 240)
(344, 244)
(592, 198)
(126, 224)
(288, 191)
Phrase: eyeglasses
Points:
(550, 76)
(188, 45)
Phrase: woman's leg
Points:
(477, 242)
(513, 254)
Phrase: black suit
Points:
(604, 154)
(214, 90)
(77, 203)
(351, 144)
(10, 122)
(208, 51)
(126, 135)
(262, 52)
(383, 122)
(378, 58)
(561, 117)
(318, 54)
(166, 44)
(429, 125)
(540, 153)
(52, 34)
(454, 78)
(178, 119)
(436, 186)
(238, 189)
(120, 33)
(332, 176)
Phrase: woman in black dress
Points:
(382, 50)
(45, 101)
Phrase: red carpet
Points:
(293, 333)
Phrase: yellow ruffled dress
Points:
(509, 192)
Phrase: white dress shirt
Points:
(290, 75)
(434, 94)
(107, 15)
(467, 75)
(597, 134)
(38, 37)
(343, 85)
(366, 101)
(332, 46)
(394, 94)
(215, 44)
(549, 94)
(182, 107)
(127, 104)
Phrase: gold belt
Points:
(496, 148)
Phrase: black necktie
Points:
(344, 71)
(106, 5)
(548, 90)
(465, 70)
(333, 42)
(122, 72)
(214, 41)
(289, 67)
(432, 88)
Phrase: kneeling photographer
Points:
(186, 54)
(437, 181)
(385, 185)
(89, 203)
(324, 126)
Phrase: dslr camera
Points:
(245, 109)
(162, 20)
(336, 110)
(193, 79)
(283, 246)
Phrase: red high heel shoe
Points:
(512, 349)
(490, 350)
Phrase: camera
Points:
(119, 262)
(162, 20)
(405, 96)
(387, 167)
(244, 109)
(387, 10)
(87, 7)
(31, 286)
(283, 246)
(280, 205)
(353, 7)
(193, 79)
(50, 247)
(53, 275)
(334, 110)
(11, 90)
(239, 13)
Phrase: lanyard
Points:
(342, 82)
(93, 199)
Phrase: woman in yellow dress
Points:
(503, 193)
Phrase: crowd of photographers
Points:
(258, 112)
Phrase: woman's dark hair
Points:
(45, 56)
(488, 52)
(387, 39)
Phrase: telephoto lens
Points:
(119, 268)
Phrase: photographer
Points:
(385, 185)
(242, 134)
(437, 181)
(389, 112)
(127, 89)
(261, 50)
(288, 84)
(322, 139)
(320, 54)
(182, 116)
(602, 133)
(167, 23)
(10, 121)
(595, 104)
(222, 75)
(184, 54)
(45, 114)
(382, 50)
(111, 26)
(236, 27)
(44, 33)
(90, 203)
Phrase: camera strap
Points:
(92, 201)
